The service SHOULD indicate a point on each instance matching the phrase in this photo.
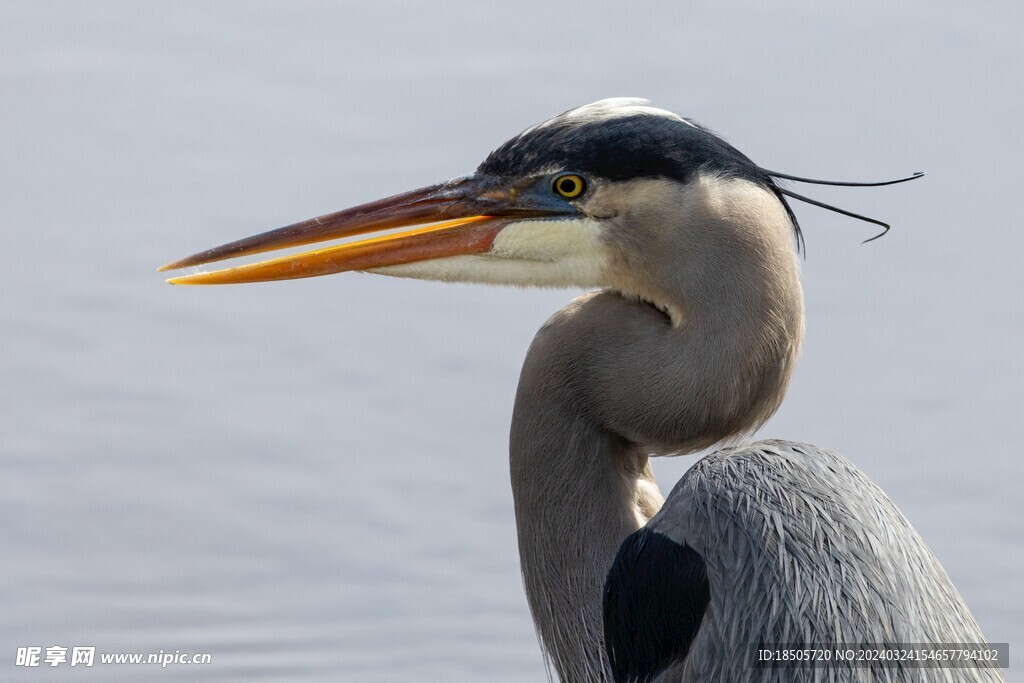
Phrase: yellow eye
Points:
(569, 185)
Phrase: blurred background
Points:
(308, 480)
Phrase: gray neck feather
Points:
(610, 380)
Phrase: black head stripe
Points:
(654, 601)
(633, 145)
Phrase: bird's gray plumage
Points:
(799, 546)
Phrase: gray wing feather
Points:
(801, 547)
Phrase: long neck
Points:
(571, 514)
(608, 381)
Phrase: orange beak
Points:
(467, 214)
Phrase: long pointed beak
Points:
(469, 212)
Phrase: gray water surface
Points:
(308, 480)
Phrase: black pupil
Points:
(567, 185)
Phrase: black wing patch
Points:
(654, 601)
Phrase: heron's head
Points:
(605, 195)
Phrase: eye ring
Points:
(569, 185)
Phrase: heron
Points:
(687, 343)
